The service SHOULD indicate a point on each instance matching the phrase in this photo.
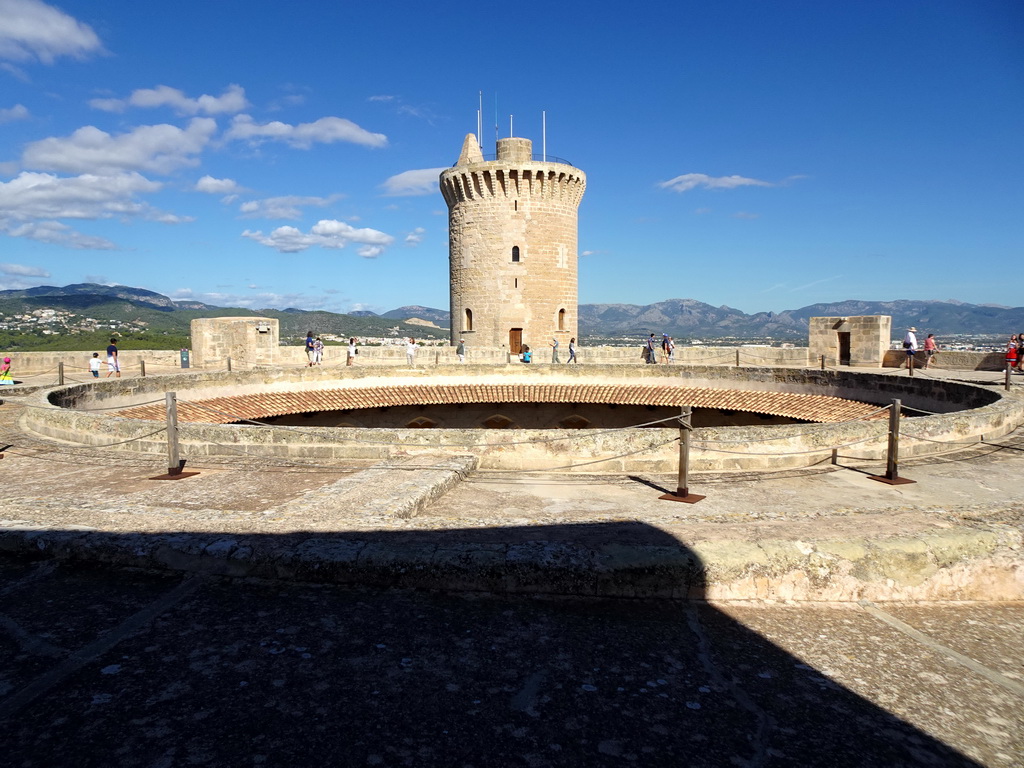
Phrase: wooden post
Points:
(823, 362)
(173, 458)
(1008, 371)
(229, 365)
(737, 357)
(892, 461)
(142, 367)
(682, 482)
(60, 374)
(910, 364)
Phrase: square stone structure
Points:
(859, 341)
(247, 341)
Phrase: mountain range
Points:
(681, 318)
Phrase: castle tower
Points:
(512, 233)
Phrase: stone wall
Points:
(982, 414)
(246, 340)
(868, 338)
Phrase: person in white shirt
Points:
(461, 350)
(910, 345)
(94, 365)
(350, 358)
(410, 352)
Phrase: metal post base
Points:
(177, 476)
(891, 480)
(683, 495)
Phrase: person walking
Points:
(350, 355)
(1011, 352)
(310, 350)
(572, 351)
(671, 350)
(94, 365)
(554, 351)
(930, 348)
(664, 349)
(410, 352)
(5, 372)
(525, 355)
(652, 353)
(910, 345)
(1020, 351)
(318, 351)
(113, 366)
(461, 350)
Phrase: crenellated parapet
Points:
(495, 179)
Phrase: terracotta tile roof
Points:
(225, 410)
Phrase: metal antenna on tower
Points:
(480, 119)
(511, 133)
(544, 134)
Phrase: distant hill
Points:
(439, 317)
(682, 318)
(139, 308)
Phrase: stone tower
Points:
(512, 233)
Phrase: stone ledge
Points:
(955, 564)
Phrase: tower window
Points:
(515, 253)
(561, 319)
(468, 324)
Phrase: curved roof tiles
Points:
(227, 410)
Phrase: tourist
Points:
(310, 349)
(350, 357)
(1011, 352)
(318, 351)
(554, 351)
(113, 365)
(5, 372)
(94, 365)
(410, 352)
(910, 345)
(1020, 351)
(930, 348)
(664, 349)
(650, 353)
(526, 355)
(461, 350)
(572, 351)
(671, 350)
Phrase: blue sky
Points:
(766, 156)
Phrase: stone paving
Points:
(105, 667)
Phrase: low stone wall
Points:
(988, 415)
(954, 361)
(76, 364)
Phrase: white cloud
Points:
(416, 236)
(327, 233)
(59, 234)
(286, 207)
(231, 101)
(17, 112)
(43, 195)
(34, 31)
(408, 183)
(326, 130)
(155, 148)
(689, 181)
(23, 271)
(214, 186)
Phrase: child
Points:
(94, 365)
(5, 372)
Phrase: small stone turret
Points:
(512, 232)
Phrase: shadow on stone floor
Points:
(281, 671)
